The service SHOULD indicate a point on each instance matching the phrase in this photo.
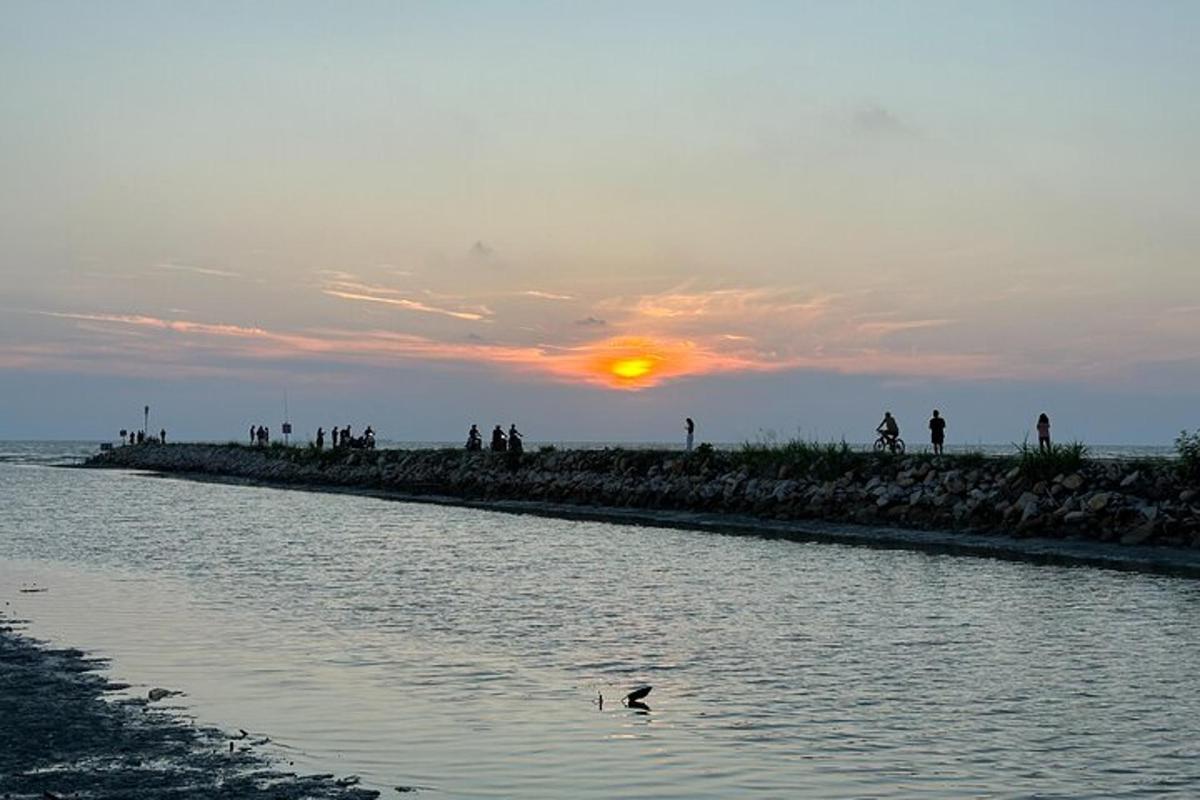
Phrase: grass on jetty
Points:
(1042, 464)
(826, 460)
(1188, 447)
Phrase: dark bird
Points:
(637, 694)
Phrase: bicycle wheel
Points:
(898, 447)
(880, 445)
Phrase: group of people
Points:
(889, 431)
(343, 437)
(501, 443)
(140, 437)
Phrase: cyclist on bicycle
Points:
(889, 429)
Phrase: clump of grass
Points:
(1041, 464)
(824, 460)
(971, 459)
(1188, 447)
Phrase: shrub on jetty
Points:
(1188, 447)
(1041, 464)
(824, 460)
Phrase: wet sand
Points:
(65, 733)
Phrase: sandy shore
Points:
(65, 734)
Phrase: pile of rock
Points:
(1133, 502)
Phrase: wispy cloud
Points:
(724, 303)
(410, 305)
(875, 119)
(888, 327)
(545, 295)
(217, 273)
(591, 322)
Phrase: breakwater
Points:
(1122, 502)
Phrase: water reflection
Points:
(401, 642)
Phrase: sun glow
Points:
(631, 368)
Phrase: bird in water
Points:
(634, 698)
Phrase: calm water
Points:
(462, 650)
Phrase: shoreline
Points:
(65, 734)
(1174, 562)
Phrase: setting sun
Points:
(632, 367)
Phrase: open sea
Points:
(463, 652)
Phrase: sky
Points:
(593, 219)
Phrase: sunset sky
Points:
(593, 219)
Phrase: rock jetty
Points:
(1138, 502)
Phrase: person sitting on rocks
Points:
(499, 443)
(369, 438)
(474, 439)
(514, 439)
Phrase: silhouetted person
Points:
(347, 439)
(499, 444)
(320, 438)
(266, 435)
(162, 436)
(333, 433)
(474, 439)
(1043, 430)
(690, 427)
(253, 434)
(369, 438)
(514, 440)
(937, 432)
(889, 428)
(141, 437)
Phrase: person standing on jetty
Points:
(514, 439)
(1043, 430)
(320, 438)
(253, 432)
(162, 436)
(937, 432)
(690, 427)
(499, 443)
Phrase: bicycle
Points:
(894, 445)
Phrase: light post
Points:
(146, 421)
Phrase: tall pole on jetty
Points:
(146, 420)
(287, 426)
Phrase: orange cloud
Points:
(623, 362)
